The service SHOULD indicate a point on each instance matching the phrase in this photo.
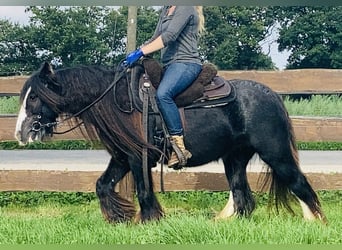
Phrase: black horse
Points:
(255, 122)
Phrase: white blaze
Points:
(21, 116)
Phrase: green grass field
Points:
(9, 105)
(318, 105)
(56, 219)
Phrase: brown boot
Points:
(174, 161)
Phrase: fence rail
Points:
(84, 181)
(312, 81)
(303, 81)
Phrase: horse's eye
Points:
(33, 97)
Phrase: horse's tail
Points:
(283, 180)
(279, 193)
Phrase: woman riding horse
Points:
(176, 36)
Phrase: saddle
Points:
(207, 87)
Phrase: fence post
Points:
(126, 185)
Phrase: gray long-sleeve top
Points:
(179, 33)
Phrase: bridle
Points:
(38, 126)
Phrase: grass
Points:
(9, 105)
(317, 105)
(189, 220)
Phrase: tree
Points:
(97, 35)
(313, 35)
(147, 19)
(75, 35)
(147, 22)
(17, 54)
(233, 36)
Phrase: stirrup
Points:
(181, 155)
(174, 160)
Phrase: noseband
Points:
(37, 125)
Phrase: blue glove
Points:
(134, 56)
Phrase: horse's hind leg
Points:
(114, 208)
(241, 201)
(288, 178)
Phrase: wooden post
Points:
(126, 185)
(132, 28)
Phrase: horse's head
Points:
(36, 118)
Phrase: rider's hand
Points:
(134, 56)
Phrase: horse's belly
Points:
(206, 150)
(207, 134)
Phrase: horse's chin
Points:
(35, 137)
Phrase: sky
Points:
(17, 14)
(14, 14)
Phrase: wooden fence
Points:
(307, 81)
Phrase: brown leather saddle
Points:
(207, 87)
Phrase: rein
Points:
(37, 125)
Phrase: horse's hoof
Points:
(220, 217)
(137, 218)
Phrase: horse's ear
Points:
(49, 78)
(46, 70)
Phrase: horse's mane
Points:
(69, 90)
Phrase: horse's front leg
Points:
(114, 207)
(150, 208)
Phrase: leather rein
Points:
(37, 125)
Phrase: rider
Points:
(176, 35)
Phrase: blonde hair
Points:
(200, 19)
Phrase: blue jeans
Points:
(177, 77)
